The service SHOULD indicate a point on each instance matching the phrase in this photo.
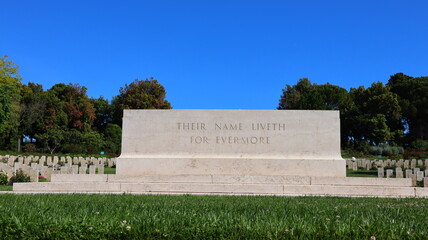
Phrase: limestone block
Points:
(79, 178)
(201, 141)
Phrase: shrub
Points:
(3, 178)
(30, 147)
(20, 176)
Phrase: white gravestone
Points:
(231, 142)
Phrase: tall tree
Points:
(10, 88)
(140, 94)
(413, 99)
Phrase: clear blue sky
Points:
(215, 54)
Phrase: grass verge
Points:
(210, 217)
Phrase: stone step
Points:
(220, 189)
(229, 179)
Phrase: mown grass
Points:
(5, 188)
(361, 173)
(210, 217)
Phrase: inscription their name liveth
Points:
(222, 127)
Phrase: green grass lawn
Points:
(109, 170)
(361, 173)
(76, 216)
(5, 188)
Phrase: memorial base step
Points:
(226, 185)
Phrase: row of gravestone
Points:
(44, 169)
(355, 164)
(416, 174)
(54, 160)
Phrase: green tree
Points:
(103, 113)
(10, 88)
(32, 110)
(140, 94)
(113, 138)
(305, 95)
(413, 99)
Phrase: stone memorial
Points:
(231, 142)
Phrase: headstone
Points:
(27, 160)
(55, 160)
(399, 163)
(49, 161)
(406, 164)
(100, 168)
(398, 173)
(82, 169)
(82, 160)
(65, 170)
(348, 164)
(368, 165)
(42, 160)
(426, 163)
(425, 181)
(419, 175)
(92, 169)
(62, 160)
(408, 172)
(76, 161)
(420, 163)
(11, 161)
(380, 173)
(21, 160)
(75, 169)
(389, 173)
(413, 177)
(413, 163)
(355, 166)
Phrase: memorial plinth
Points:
(231, 142)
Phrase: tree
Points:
(103, 113)
(32, 110)
(140, 94)
(113, 138)
(10, 87)
(305, 95)
(413, 100)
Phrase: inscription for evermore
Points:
(222, 127)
